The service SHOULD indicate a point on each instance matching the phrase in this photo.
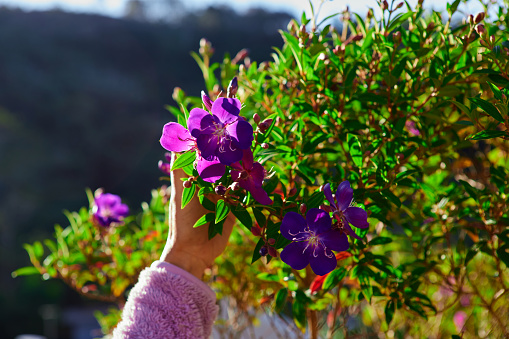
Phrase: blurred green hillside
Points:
(82, 105)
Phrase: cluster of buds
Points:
(165, 167)
(269, 249)
(385, 6)
(477, 19)
(338, 50)
(188, 183)
(220, 189)
(262, 126)
(206, 48)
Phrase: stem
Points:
(313, 325)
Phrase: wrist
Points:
(185, 261)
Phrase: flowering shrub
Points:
(407, 114)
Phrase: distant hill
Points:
(81, 105)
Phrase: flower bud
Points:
(430, 26)
(220, 189)
(358, 37)
(178, 93)
(302, 29)
(164, 167)
(480, 29)
(256, 231)
(292, 192)
(385, 5)
(479, 17)
(241, 55)
(273, 252)
(235, 186)
(303, 208)
(399, 5)
(256, 118)
(265, 145)
(396, 36)
(232, 88)
(264, 251)
(167, 156)
(268, 122)
(187, 183)
(470, 19)
(492, 39)
(263, 126)
(271, 241)
(206, 100)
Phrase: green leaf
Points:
(503, 254)
(280, 300)
(389, 311)
(205, 219)
(470, 190)
(215, 228)
(260, 218)
(183, 160)
(315, 200)
(380, 241)
(222, 210)
(299, 313)
(488, 134)
(256, 252)
(187, 195)
(29, 270)
(354, 147)
(243, 216)
(462, 107)
(488, 108)
(496, 91)
(334, 278)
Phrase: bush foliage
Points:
(412, 109)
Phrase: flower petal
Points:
(210, 171)
(258, 174)
(247, 159)
(357, 217)
(207, 144)
(335, 240)
(350, 231)
(200, 121)
(344, 195)
(328, 194)
(293, 223)
(322, 261)
(296, 254)
(318, 220)
(228, 152)
(261, 196)
(226, 109)
(176, 138)
(242, 131)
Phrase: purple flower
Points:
(250, 176)
(176, 138)
(459, 320)
(342, 211)
(410, 126)
(221, 134)
(313, 241)
(108, 209)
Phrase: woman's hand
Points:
(187, 247)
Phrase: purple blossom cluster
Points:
(315, 237)
(221, 138)
(108, 209)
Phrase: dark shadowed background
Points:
(82, 105)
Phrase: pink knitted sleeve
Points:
(168, 302)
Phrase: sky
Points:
(116, 8)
